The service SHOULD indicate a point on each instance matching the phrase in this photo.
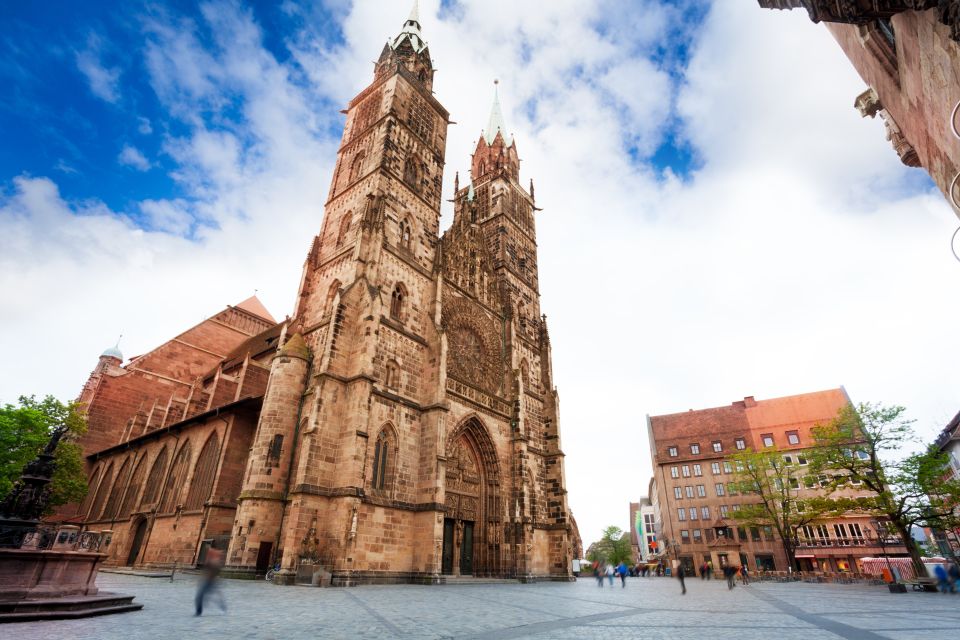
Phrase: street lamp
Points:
(894, 586)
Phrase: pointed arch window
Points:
(332, 294)
(116, 494)
(391, 376)
(101, 496)
(406, 234)
(203, 474)
(396, 301)
(356, 165)
(382, 460)
(344, 230)
(412, 171)
(92, 486)
(175, 480)
(133, 491)
(152, 491)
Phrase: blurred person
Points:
(212, 564)
(678, 569)
(730, 574)
(622, 571)
(943, 579)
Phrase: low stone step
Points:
(461, 580)
(32, 616)
(70, 607)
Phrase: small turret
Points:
(113, 353)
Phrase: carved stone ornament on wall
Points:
(463, 482)
(473, 354)
(864, 11)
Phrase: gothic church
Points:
(402, 426)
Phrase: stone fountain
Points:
(48, 572)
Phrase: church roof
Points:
(254, 306)
(496, 123)
(411, 31)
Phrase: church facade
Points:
(401, 426)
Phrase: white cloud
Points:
(795, 259)
(132, 157)
(144, 126)
(103, 81)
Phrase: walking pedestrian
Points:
(622, 570)
(744, 575)
(730, 574)
(953, 574)
(943, 578)
(598, 574)
(709, 569)
(208, 580)
(609, 572)
(678, 569)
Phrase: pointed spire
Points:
(415, 13)
(411, 30)
(496, 120)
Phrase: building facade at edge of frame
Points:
(401, 426)
(693, 472)
(908, 54)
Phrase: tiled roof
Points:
(254, 306)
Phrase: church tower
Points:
(409, 426)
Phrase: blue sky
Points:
(716, 223)
(82, 107)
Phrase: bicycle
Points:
(272, 572)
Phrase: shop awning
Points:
(800, 556)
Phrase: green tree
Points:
(25, 429)
(867, 444)
(776, 483)
(613, 547)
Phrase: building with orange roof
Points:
(693, 473)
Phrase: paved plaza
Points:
(647, 608)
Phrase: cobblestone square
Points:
(646, 608)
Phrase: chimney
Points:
(748, 401)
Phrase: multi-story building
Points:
(948, 542)
(401, 425)
(693, 472)
(635, 527)
(644, 522)
(908, 53)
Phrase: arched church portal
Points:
(471, 525)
